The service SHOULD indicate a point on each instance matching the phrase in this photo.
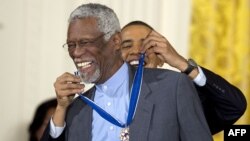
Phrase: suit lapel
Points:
(141, 123)
(82, 120)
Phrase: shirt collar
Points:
(112, 84)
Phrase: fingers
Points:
(68, 78)
(68, 84)
(157, 44)
(153, 39)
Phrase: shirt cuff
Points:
(55, 132)
(200, 79)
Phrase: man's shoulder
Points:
(164, 76)
(77, 104)
(154, 72)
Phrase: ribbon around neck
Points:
(134, 97)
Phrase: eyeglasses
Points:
(70, 46)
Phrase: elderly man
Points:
(162, 105)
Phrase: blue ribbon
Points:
(135, 92)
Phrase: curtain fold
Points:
(220, 41)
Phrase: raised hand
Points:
(66, 86)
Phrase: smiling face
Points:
(95, 58)
(132, 38)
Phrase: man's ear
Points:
(117, 40)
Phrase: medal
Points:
(124, 136)
(134, 97)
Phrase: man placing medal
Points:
(126, 103)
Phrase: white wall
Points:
(31, 35)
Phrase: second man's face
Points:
(132, 38)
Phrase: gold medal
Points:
(124, 136)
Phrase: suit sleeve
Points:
(222, 102)
(193, 125)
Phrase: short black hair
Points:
(138, 23)
(39, 117)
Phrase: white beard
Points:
(86, 78)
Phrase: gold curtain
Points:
(220, 41)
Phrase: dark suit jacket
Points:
(169, 109)
(222, 102)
